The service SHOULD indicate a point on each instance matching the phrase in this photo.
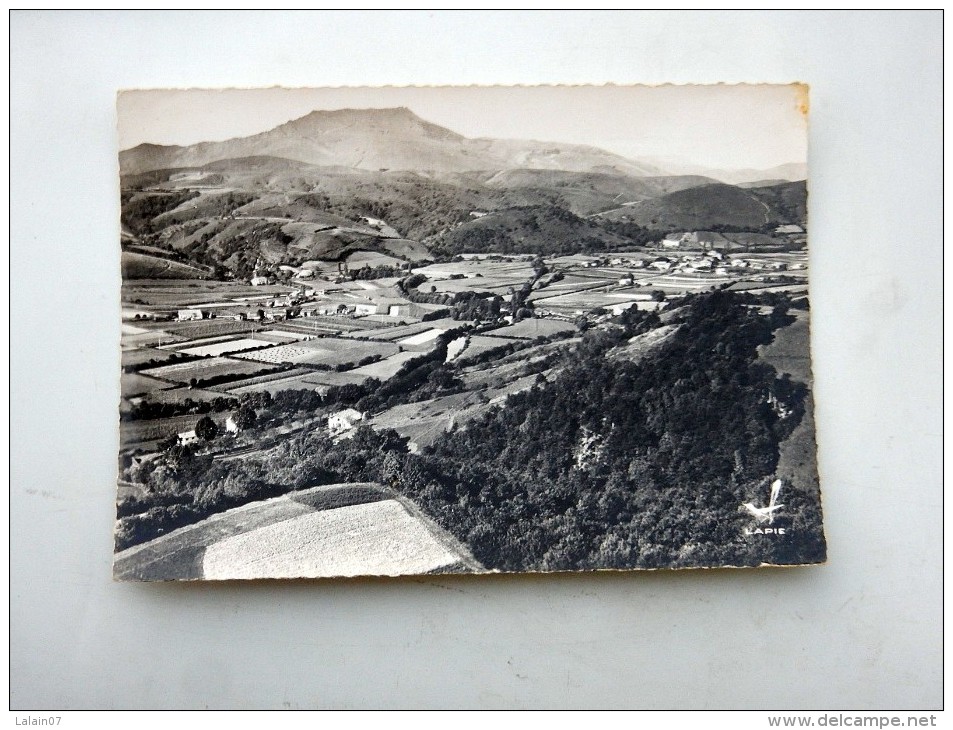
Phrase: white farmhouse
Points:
(188, 437)
(790, 229)
(343, 421)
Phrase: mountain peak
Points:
(393, 138)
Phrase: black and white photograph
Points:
(392, 331)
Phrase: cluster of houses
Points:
(715, 262)
(709, 262)
(307, 302)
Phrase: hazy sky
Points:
(740, 126)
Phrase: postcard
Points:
(424, 330)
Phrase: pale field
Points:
(455, 347)
(532, 328)
(384, 369)
(486, 269)
(495, 284)
(223, 348)
(200, 341)
(380, 538)
(325, 351)
(479, 344)
(280, 336)
(422, 338)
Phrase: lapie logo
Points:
(766, 514)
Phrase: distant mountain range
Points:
(746, 177)
(397, 139)
(308, 190)
(383, 139)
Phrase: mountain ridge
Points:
(379, 139)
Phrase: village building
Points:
(231, 426)
(188, 437)
(789, 229)
(186, 315)
(259, 281)
(661, 264)
(343, 421)
(705, 239)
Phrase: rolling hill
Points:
(532, 229)
(718, 205)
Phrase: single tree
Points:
(245, 417)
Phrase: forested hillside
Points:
(611, 463)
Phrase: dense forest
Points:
(613, 463)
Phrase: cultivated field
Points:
(478, 344)
(224, 348)
(422, 338)
(184, 293)
(532, 328)
(182, 394)
(147, 432)
(381, 538)
(200, 328)
(335, 530)
(211, 367)
(404, 331)
(328, 351)
(299, 381)
(386, 368)
(135, 339)
(145, 356)
(133, 384)
(280, 336)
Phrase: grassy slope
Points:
(789, 353)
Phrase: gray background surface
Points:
(863, 632)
